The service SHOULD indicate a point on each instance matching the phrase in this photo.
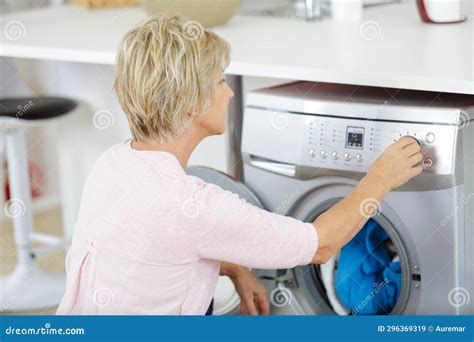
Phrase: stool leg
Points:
(20, 195)
(70, 185)
(3, 157)
(27, 287)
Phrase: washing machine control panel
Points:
(354, 144)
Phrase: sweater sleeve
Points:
(230, 229)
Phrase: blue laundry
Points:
(367, 281)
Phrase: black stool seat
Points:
(35, 108)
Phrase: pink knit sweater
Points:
(149, 238)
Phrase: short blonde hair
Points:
(164, 67)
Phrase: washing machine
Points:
(305, 146)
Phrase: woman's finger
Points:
(416, 158)
(242, 310)
(416, 170)
(405, 141)
(250, 306)
(412, 149)
(263, 304)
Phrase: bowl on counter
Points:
(207, 12)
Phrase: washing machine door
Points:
(226, 299)
(311, 289)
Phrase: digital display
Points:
(355, 137)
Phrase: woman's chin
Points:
(219, 130)
(215, 131)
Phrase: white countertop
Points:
(404, 53)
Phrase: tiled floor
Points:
(47, 222)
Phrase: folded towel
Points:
(367, 280)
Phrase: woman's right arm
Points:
(337, 226)
(227, 228)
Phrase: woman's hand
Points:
(397, 164)
(253, 296)
(338, 225)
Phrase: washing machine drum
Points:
(365, 277)
(369, 276)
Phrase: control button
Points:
(312, 153)
(323, 154)
(359, 158)
(427, 163)
(411, 136)
(430, 137)
(335, 155)
(347, 156)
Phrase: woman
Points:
(150, 239)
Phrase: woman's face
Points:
(213, 120)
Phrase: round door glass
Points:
(369, 276)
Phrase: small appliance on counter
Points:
(442, 12)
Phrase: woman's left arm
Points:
(253, 296)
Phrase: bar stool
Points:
(28, 287)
